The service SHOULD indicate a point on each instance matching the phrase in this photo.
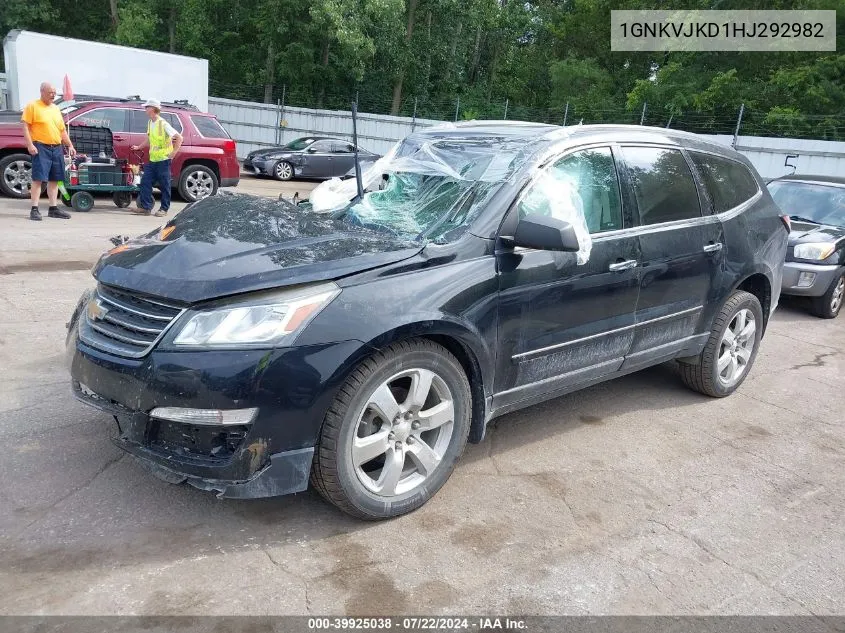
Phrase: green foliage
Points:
(543, 57)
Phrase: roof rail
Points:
(183, 104)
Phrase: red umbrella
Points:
(67, 91)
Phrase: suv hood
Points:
(273, 151)
(808, 232)
(234, 243)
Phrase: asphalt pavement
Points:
(636, 496)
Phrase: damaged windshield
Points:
(425, 188)
(428, 207)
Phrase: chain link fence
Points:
(728, 120)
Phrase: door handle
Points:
(118, 137)
(623, 265)
(714, 247)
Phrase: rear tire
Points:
(122, 199)
(197, 182)
(830, 303)
(729, 353)
(396, 429)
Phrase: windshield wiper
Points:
(798, 218)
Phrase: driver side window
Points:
(584, 182)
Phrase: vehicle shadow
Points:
(123, 516)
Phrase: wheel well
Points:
(758, 285)
(473, 371)
(11, 150)
(205, 162)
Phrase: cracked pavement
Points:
(636, 496)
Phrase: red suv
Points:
(205, 162)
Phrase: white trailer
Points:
(99, 69)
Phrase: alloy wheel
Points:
(838, 294)
(199, 184)
(284, 171)
(18, 176)
(403, 432)
(736, 347)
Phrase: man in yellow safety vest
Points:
(164, 142)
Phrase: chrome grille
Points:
(123, 323)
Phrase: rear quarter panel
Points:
(200, 147)
(756, 242)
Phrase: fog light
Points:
(205, 417)
(805, 280)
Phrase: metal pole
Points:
(669, 122)
(565, 114)
(414, 119)
(278, 121)
(738, 122)
(457, 107)
(642, 116)
(282, 111)
(355, 145)
(506, 108)
(356, 97)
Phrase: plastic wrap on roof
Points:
(437, 183)
(559, 198)
(485, 159)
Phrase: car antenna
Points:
(355, 149)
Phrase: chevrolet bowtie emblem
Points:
(96, 310)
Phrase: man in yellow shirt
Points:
(45, 133)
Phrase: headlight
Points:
(267, 321)
(814, 251)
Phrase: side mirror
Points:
(546, 234)
(311, 150)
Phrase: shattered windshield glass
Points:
(426, 187)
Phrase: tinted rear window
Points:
(663, 184)
(209, 127)
(729, 182)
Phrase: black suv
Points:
(249, 345)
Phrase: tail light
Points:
(786, 222)
(229, 145)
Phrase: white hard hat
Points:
(153, 103)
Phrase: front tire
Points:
(16, 175)
(396, 429)
(197, 182)
(830, 303)
(730, 350)
(283, 170)
(82, 201)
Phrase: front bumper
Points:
(822, 277)
(292, 389)
(259, 166)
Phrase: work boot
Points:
(140, 210)
(56, 212)
(35, 214)
(160, 213)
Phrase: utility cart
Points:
(95, 169)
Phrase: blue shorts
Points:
(49, 163)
